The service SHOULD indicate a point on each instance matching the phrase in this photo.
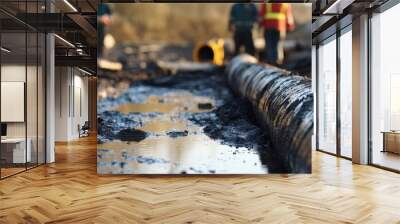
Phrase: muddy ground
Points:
(190, 122)
(154, 120)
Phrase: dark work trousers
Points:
(100, 40)
(244, 38)
(272, 38)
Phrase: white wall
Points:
(61, 103)
(71, 94)
(80, 110)
(14, 73)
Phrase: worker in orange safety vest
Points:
(243, 17)
(276, 19)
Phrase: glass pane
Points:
(23, 85)
(314, 89)
(31, 88)
(327, 97)
(346, 94)
(31, 97)
(41, 98)
(385, 89)
(13, 86)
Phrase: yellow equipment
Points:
(212, 51)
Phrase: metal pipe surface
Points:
(283, 104)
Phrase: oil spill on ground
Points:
(186, 123)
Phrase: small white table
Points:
(19, 155)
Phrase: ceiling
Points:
(74, 22)
(329, 15)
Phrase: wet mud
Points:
(188, 123)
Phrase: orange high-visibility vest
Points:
(277, 16)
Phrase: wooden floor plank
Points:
(70, 191)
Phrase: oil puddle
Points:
(170, 103)
(192, 154)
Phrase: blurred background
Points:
(172, 31)
(182, 23)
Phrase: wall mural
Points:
(184, 93)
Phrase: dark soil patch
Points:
(132, 134)
(205, 106)
(175, 134)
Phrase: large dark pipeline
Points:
(283, 104)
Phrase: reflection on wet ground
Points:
(162, 124)
(188, 124)
(164, 153)
(192, 154)
(170, 103)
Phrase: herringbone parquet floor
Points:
(70, 191)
